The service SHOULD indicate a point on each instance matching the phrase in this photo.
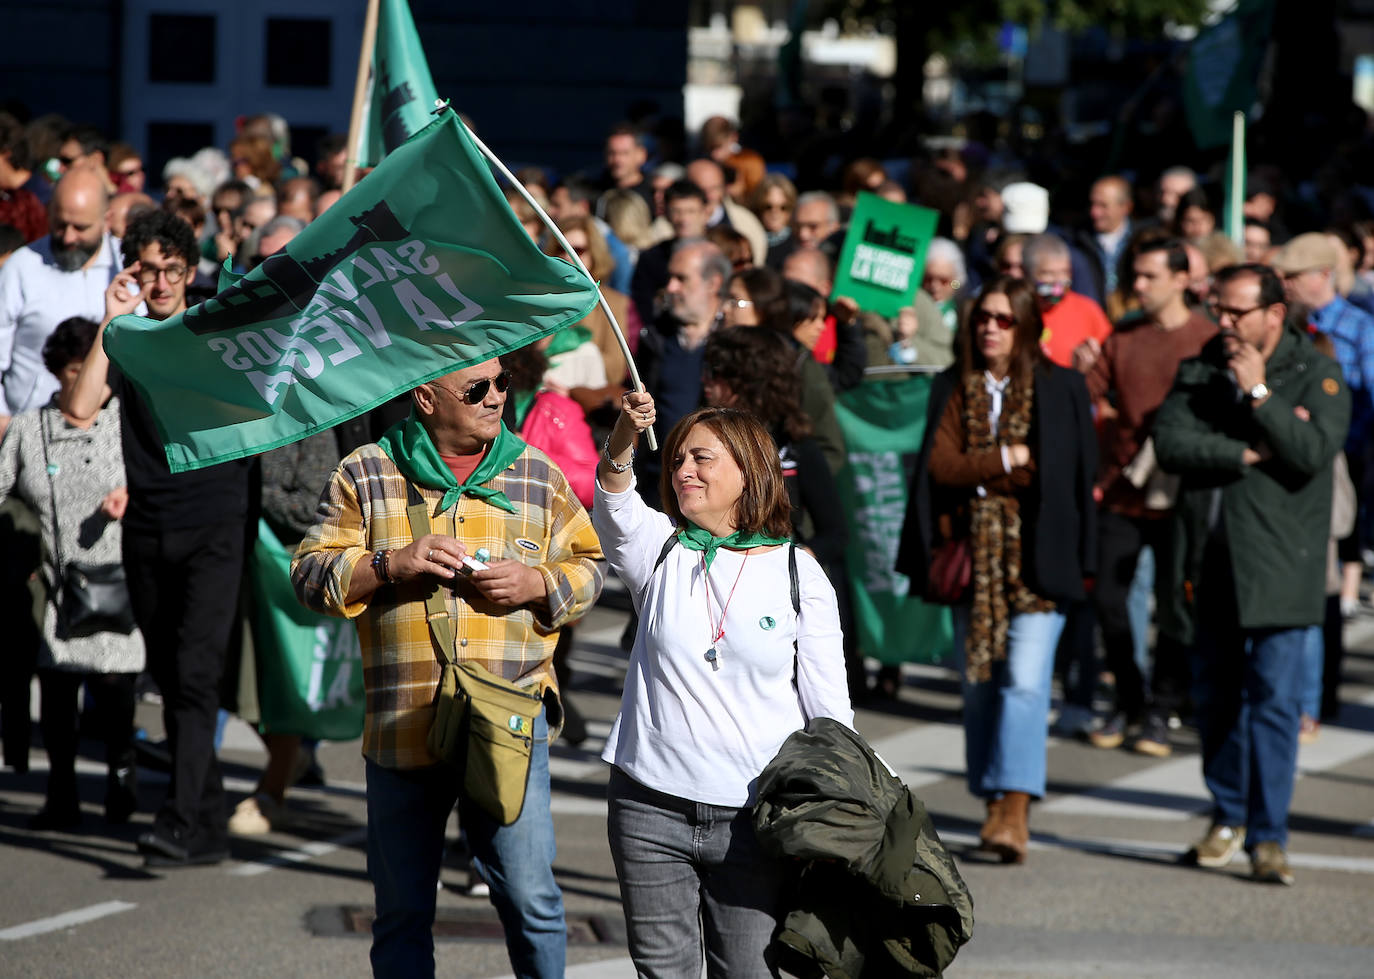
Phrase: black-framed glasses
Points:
(174, 273)
(1004, 320)
(1220, 312)
(477, 391)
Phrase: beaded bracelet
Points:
(381, 565)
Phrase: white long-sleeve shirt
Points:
(685, 728)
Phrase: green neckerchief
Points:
(410, 447)
(567, 339)
(695, 539)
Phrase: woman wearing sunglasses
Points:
(1004, 481)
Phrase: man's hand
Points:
(1020, 455)
(1260, 453)
(436, 554)
(846, 309)
(1248, 365)
(1302, 414)
(510, 583)
(116, 501)
(1085, 355)
(123, 295)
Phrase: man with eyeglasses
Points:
(483, 490)
(1252, 426)
(184, 545)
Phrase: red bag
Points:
(557, 426)
(951, 570)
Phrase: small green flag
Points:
(402, 90)
(883, 424)
(1223, 71)
(420, 269)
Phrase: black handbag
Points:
(90, 597)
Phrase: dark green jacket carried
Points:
(877, 893)
(1276, 514)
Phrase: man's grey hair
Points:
(1179, 171)
(820, 197)
(669, 171)
(1040, 247)
(713, 261)
(280, 223)
(944, 250)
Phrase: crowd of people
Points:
(1138, 430)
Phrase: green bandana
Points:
(695, 539)
(567, 339)
(410, 447)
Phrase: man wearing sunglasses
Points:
(1252, 426)
(484, 490)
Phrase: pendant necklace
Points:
(718, 631)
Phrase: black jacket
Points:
(877, 894)
(1060, 517)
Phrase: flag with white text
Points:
(419, 270)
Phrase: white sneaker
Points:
(254, 816)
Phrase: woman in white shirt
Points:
(738, 646)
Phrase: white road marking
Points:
(309, 851)
(68, 919)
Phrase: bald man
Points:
(62, 275)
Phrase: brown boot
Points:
(991, 824)
(1012, 835)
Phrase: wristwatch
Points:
(1259, 392)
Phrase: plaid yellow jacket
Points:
(363, 509)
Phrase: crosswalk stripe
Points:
(68, 919)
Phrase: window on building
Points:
(298, 52)
(181, 48)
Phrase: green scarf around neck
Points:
(408, 444)
(694, 538)
(568, 338)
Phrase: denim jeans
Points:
(1247, 688)
(1005, 718)
(686, 868)
(407, 812)
(1313, 661)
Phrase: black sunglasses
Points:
(478, 390)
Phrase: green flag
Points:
(401, 89)
(420, 269)
(883, 424)
(1223, 69)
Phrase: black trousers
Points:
(22, 601)
(114, 708)
(1119, 542)
(184, 585)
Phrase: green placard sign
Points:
(884, 254)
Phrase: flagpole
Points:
(355, 119)
(1237, 163)
(576, 259)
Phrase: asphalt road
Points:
(1101, 895)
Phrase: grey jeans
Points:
(688, 872)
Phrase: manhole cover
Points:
(452, 924)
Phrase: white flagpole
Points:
(576, 259)
(1237, 164)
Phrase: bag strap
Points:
(436, 609)
(52, 493)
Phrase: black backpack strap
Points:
(792, 574)
(663, 554)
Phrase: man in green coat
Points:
(1252, 426)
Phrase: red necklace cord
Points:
(718, 634)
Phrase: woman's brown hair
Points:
(598, 259)
(763, 505)
(1026, 354)
(761, 371)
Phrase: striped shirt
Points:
(363, 509)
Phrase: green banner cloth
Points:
(884, 254)
(310, 667)
(883, 424)
(419, 270)
(401, 89)
(1223, 71)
